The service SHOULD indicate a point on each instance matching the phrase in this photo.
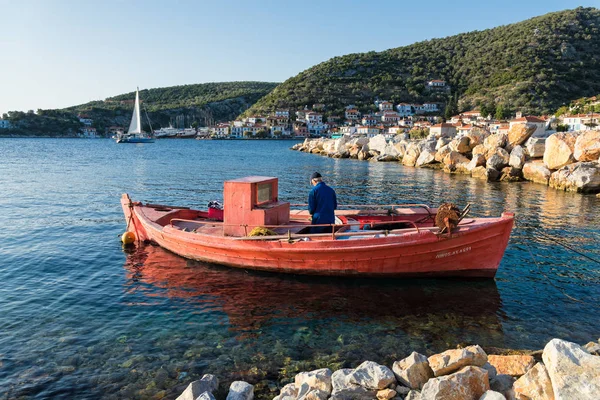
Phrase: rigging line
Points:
(549, 280)
(568, 247)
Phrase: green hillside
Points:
(199, 104)
(534, 66)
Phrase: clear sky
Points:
(58, 53)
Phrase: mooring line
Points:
(550, 280)
(566, 246)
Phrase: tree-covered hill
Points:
(199, 104)
(534, 66)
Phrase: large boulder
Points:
(411, 155)
(574, 373)
(517, 157)
(413, 371)
(519, 133)
(477, 136)
(559, 149)
(454, 158)
(343, 389)
(587, 146)
(208, 383)
(442, 152)
(536, 147)
(494, 141)
(341, 144)
(453, 360)
(401, 148)
(378, 143)
(581, 177)
(486, 174)
(535, 384)
(240, 390)
(288, 392)
(363, 154)
(479, 149)
(461, 145)
(425, 158)
(510, 174)
(478, 160)
(515, 365)
(498, 159)
(468, 383)
(536, 171)
(319, 379)
(492, 395)
(371, 375)
(441, 142)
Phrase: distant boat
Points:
(135, 134)
(168, 132)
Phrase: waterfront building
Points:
(88, 132)
(300, 129)
(443, 129)
(581, 122)
(347, 130)
(368, 131)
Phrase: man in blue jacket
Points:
(322, 202)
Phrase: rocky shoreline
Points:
(567, 161)
(562, 370)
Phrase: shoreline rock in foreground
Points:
(566, 371)
(567, 161)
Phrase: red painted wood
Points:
(474, 250)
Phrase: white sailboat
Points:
(134, 133)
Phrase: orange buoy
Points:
(128, 238)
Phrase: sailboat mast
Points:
(137, 109)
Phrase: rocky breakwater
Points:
(562, 371)
(565, 161)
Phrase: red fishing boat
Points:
(378, 241)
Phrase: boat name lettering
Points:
(452, 253)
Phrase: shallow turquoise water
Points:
(82, 318)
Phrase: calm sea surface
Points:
(82, 318)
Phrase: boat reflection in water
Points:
(435, 311)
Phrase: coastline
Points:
(568, 161)
(561, 370)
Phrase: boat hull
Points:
(472, 251)
(136, 140)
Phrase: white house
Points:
(347, 130)
(443, 129)
(370, 120)
(436, 83)
(313, 118)
(578, 122)
(282, 113)
(390, 118)
(540, 124)
(221, 130)
(430, 107)
(352, 114)
(317, 128)
(88, 132)
(369, 131)
(385, 106)
(405, 109)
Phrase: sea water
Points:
(80, 317)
